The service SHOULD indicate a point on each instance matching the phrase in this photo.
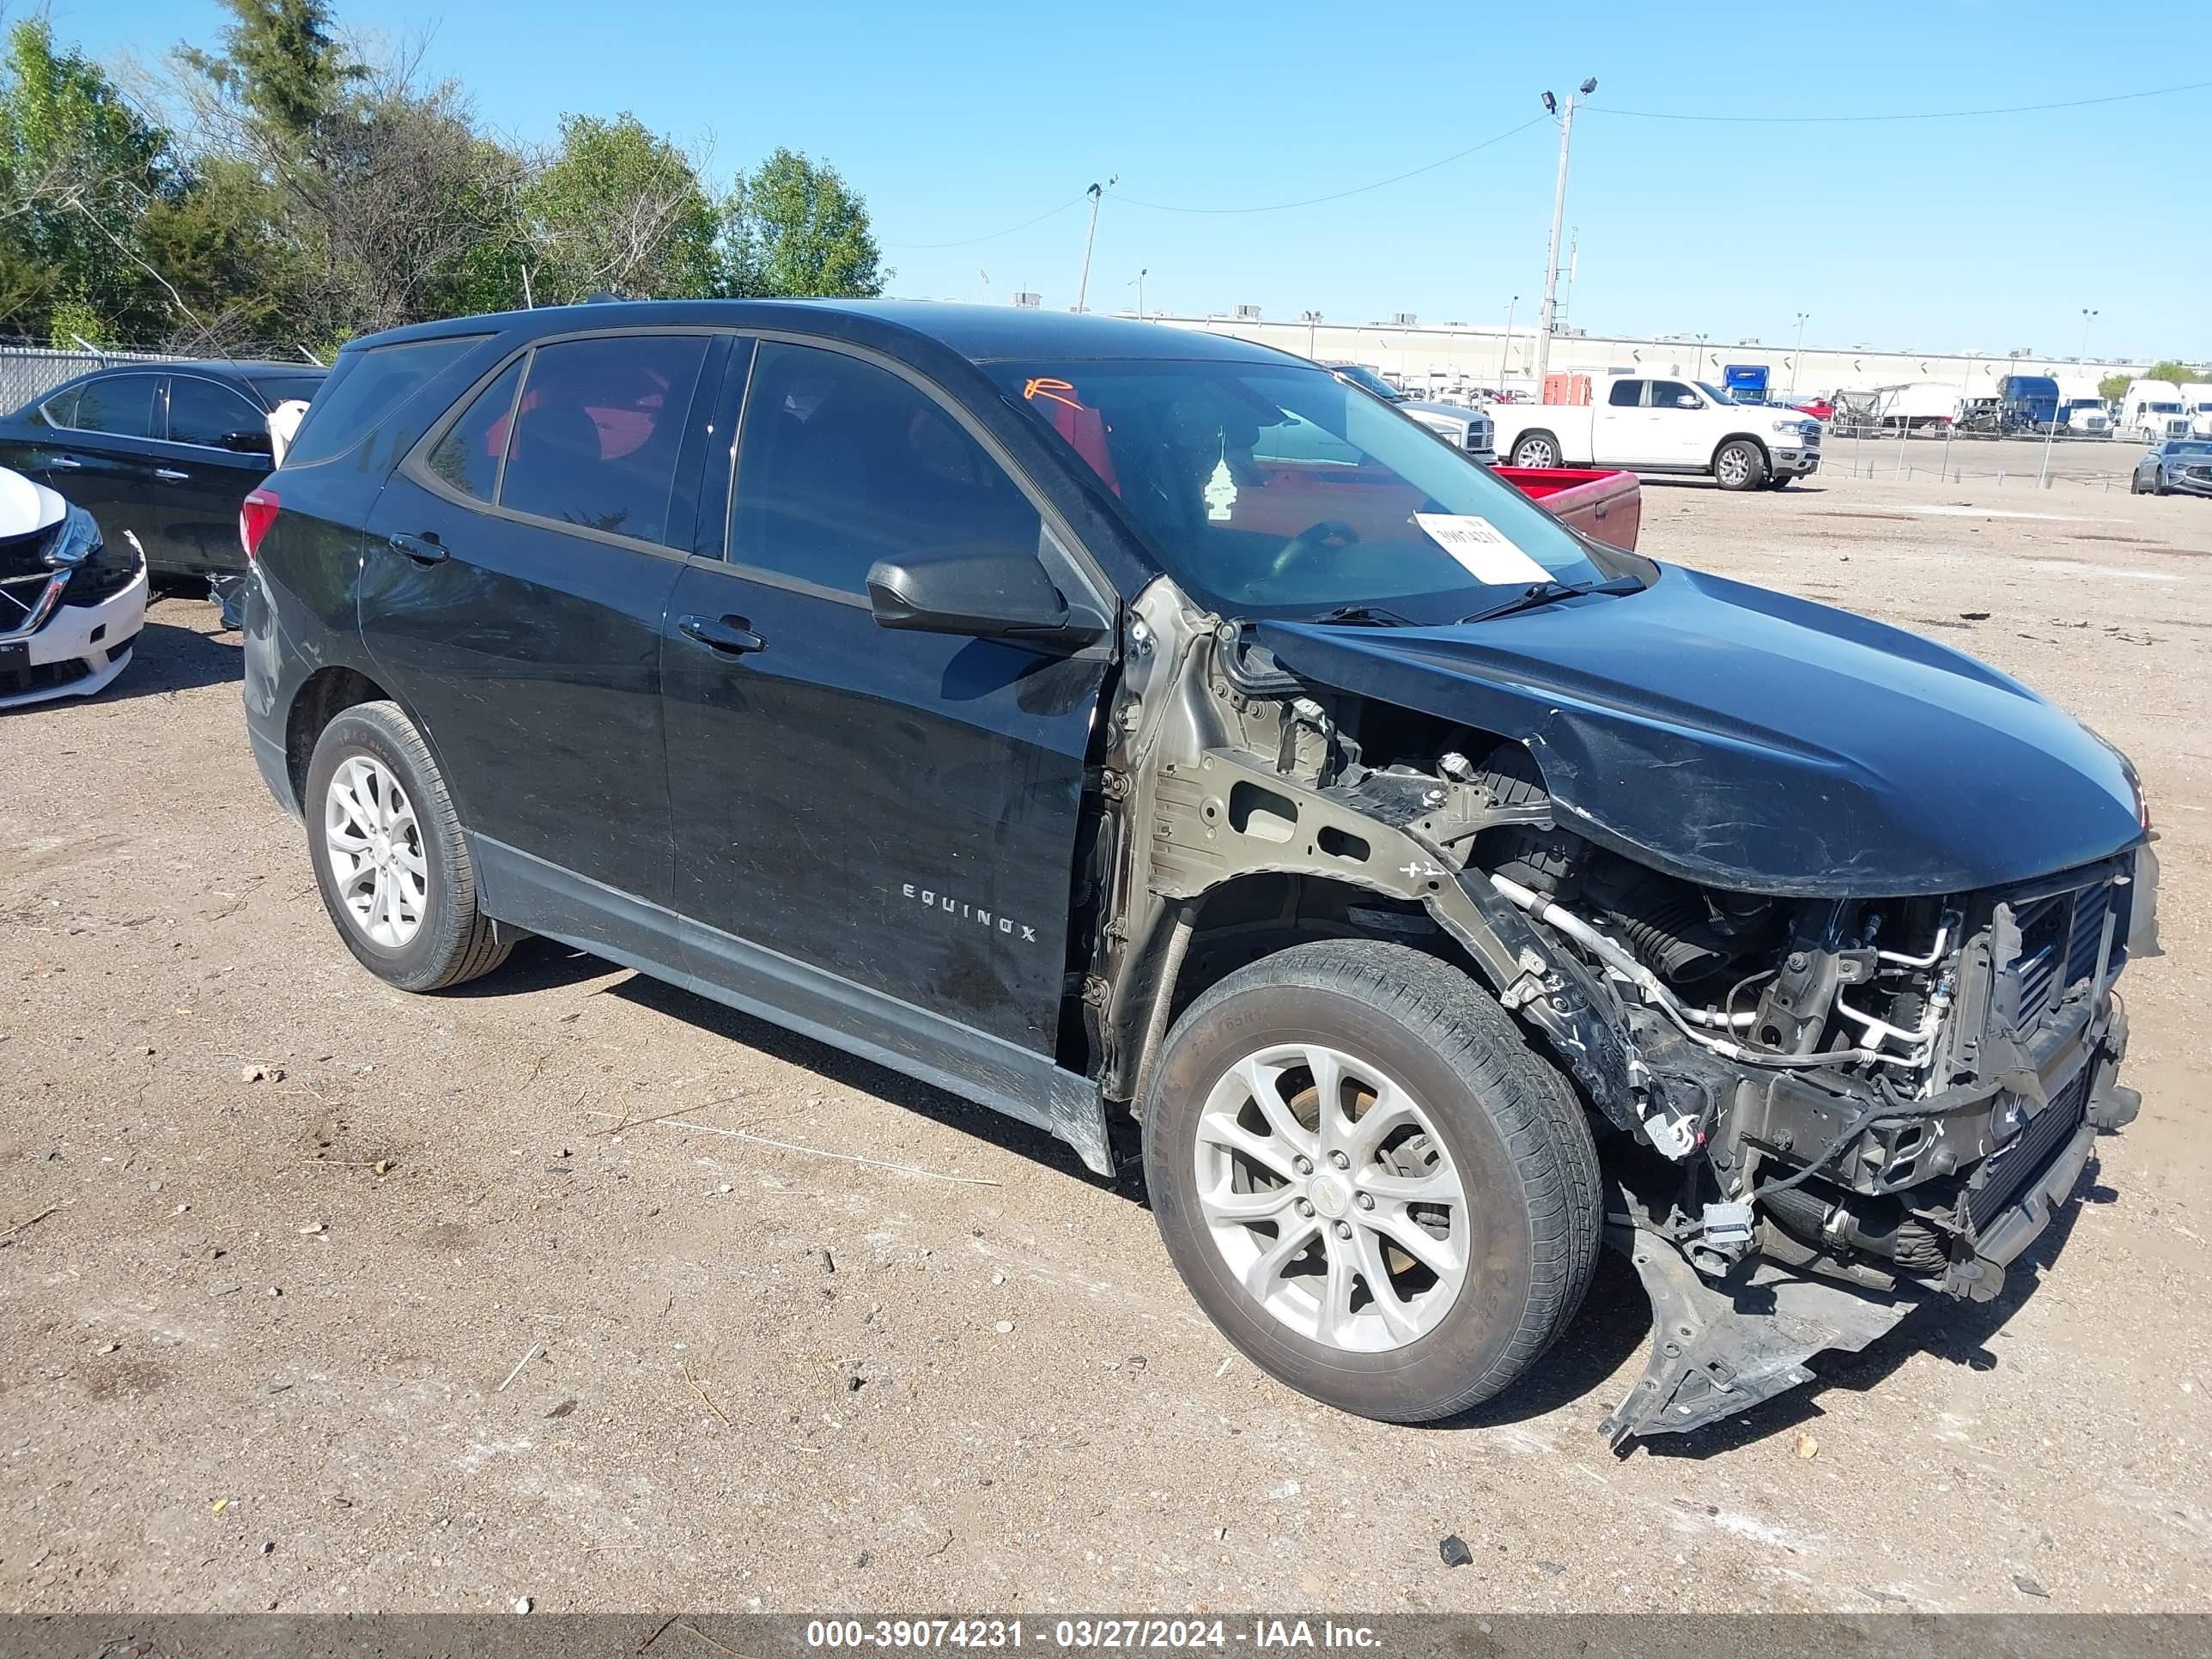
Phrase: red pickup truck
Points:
(1607, 506)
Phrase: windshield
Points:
(1713, 392)
(1279, 491)
(2204, 448)
(1369, 380)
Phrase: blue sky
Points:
(961, 119)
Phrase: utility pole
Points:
(1505, 350)
(1550, 318)
(1797, 358)
(1096, 193)
(1311, 319)
(1141, 270)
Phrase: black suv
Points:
(162, 452)
(1098, 720)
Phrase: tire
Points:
(1782, 481)
(1500, 1127)
(449, 940)
(1537, 449)
(1740, 465)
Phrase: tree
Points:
(2113, 388)
(616, 207)
(2178, 373)
(385, 197)
(791, 228)
(78, 166)
(281, 62)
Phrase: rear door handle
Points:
(170, 475)
(423, 549)
(732, 636)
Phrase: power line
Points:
(1338, 196)
(971, 241)
(1915, 115)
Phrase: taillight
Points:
(255, 514)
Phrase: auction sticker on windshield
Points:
(1482, 548)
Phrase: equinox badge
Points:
(966, 912)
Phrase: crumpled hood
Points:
(1745, 739)
(26, 506)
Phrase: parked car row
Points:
(161, 452)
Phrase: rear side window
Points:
(276, 389)
(1626, 394)
(598, 431)
(60, 409)
(364, 386)
(468, 456)
(123, 406)
(201, 412)
(841, 464)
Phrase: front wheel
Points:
(1740, 465)
(390, 861)
(1537, 449)
(1369, 1182)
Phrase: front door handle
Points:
(732, 636)
(67, 463)
(425, 549)
(170, 475)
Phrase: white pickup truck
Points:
(1664, 426)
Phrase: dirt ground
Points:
(421, 1325)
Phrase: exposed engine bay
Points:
(1815, 1110)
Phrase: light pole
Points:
(1550, 318)
(1797, 358)
(1505, 350)
(1700, 339)
(1097, 192)
(2087, 317)
(1310, 319)
(1139, 286)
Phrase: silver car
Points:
(2179, 466)
(1469, 429)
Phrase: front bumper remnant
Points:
(1720, 1348)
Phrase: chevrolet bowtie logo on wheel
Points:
(947, 905)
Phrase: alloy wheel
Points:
(376, 845)
(1327, 1189)
(1734, 466)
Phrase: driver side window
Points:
(1668, 394)
(841, 462)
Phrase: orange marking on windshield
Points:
(1051, 390)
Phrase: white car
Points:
(1645, 425)
(70, 607)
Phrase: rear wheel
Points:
(390, 862)
(1740, 465)
(1537, 449)
(1369, 1182)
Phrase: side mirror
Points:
(984, 595)
(250, 440)
(1688, 400)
